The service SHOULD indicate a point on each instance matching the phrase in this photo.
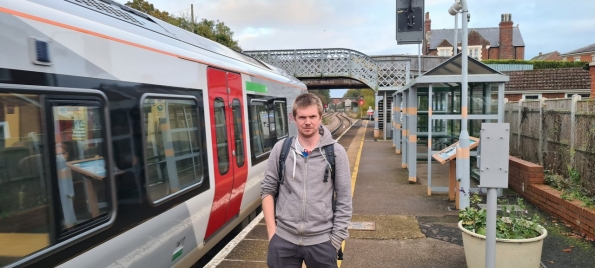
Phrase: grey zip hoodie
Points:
(304, 207)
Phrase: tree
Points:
(368, 94)
(214, 30)
(323, 94)
(353, 93)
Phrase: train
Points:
(126, 141)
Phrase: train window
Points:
(238, 133)
(24, 203)
(259, 128)
(80, 162)
(172, 146)
(281, 118)
(221, 136)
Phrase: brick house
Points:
(582, 54)
(548, 56)
(502, 42)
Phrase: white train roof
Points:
(92, 14)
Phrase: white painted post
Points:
(430, 140)
(540, 149)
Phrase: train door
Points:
(228, 140)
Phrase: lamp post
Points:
(490, 258)
(464, 135)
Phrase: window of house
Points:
(173, 152)
(593, 58)
(474, 53)
(583, 95)
(531, 96)
(577, 58)
(444, 52)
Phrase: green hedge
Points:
(540, 64)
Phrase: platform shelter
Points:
(429, 109)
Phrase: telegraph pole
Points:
(192, 17)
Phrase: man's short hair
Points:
(306, 100)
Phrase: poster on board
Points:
(450, 152)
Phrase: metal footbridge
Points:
(333, 63)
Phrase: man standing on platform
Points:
(305, 223)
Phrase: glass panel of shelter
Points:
(447, 101)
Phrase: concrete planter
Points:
(517, 253)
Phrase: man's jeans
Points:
(283, 254)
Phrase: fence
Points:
(559, 134)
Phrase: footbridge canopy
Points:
(379, 75)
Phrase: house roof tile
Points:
(548, 79)
(589, 48)
(543, 56)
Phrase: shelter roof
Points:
(449, 73)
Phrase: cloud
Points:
(368, 26)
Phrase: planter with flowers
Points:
(519, 237)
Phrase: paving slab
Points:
(388, 227)
(412, 253)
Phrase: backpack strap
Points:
(329, 150)
(282, 157)
(281, 168)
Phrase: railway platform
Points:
(395, 223)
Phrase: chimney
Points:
(427, 28)
(506, 50)
(428, 22)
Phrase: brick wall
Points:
(520, 53)
(527, 180)
(553, 95)
(513, 97)
(494, 51)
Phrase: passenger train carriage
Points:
(126, 141)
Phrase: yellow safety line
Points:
(354, 176)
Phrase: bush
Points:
(571, 187)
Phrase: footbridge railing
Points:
(338, 62)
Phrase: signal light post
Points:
(361, 106)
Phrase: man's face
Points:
(307, 120)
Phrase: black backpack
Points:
(329, 151)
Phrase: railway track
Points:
(344, 123)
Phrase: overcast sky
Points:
(368, 26)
